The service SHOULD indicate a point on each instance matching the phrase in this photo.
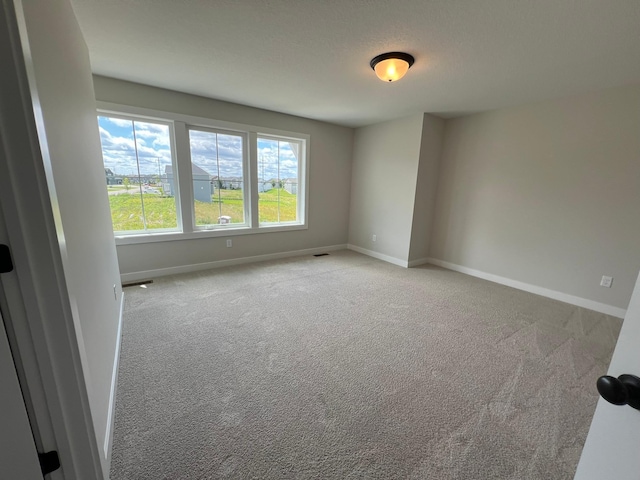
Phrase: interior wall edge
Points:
(108, 436)
(418, 261)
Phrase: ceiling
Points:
(311, 57)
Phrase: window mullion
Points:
(252, 175)
(278, 185)
(219, 178)
(135, 146)
(184, 195)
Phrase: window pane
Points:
(218, 181)
(137, 157)
(278, 162)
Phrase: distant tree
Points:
(281, 184)
(273, 183)
(125, 182)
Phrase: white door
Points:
(612, 449)
(18, 456)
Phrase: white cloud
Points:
(276, 160)
(157, 134)
(119, 121)
(215, 153)
(120, 153)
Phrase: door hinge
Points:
(49, 462)
(6, 264)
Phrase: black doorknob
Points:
(624, 390)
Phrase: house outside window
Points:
(202, 187)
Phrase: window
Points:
(217, 169)
(172, 176)
(137, 162)
(278, 168)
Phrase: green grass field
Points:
(160, 212)
(275, 201)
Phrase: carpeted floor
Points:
(346, 367)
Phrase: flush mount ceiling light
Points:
(391, 66)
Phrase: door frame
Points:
(611, 447)
(43, 331)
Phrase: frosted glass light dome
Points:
(391, 66)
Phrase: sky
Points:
(216, 153)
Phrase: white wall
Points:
(328, 192)
(383, 186)
(546, 194)
(64, 88)
(426, 187)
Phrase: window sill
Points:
(199, 234)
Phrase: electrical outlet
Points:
(374, 237)
(229, 243)
(606, 281)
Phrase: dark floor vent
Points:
(135, 284)
(320, 254)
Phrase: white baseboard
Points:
(108, 437)
(388, 258)
(527, 287)
(161, 272)
(379, 256)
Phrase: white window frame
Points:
(174, 166)
(302, 173)
(181, 153)
(246, 187)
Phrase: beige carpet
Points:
(345, 367)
